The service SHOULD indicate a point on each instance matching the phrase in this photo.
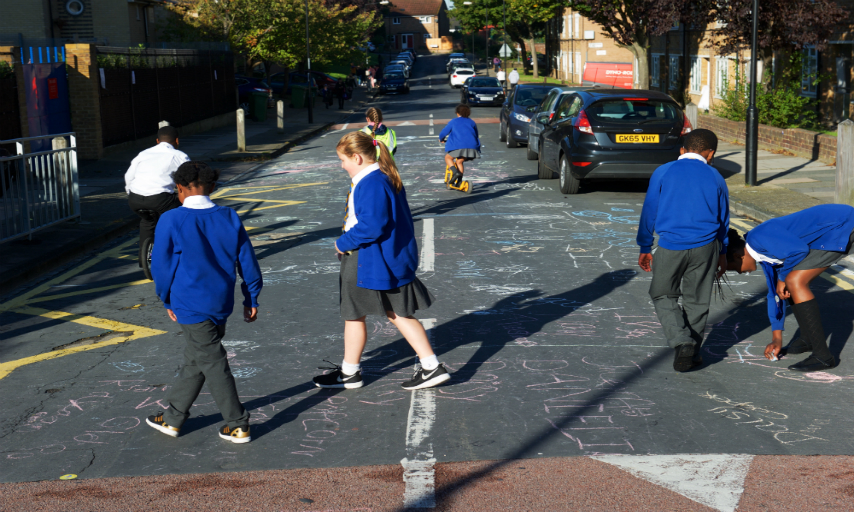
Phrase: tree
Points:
(632, 23)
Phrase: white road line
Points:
(418, 474)
(428, 250)
(431, 125)
(335, 131)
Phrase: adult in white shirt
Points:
(514, 78)
(502, 78)
(148, 181)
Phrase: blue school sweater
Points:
(826, 227)
(687, 204)
(384, 235)
(461, 133)
(193, 263)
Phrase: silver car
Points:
(397, 68)
(549, 103)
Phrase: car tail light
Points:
(583, 124)
(581, 164)
(455, 76)
(686, 126)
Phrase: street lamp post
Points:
(308, 66)
(752, 112)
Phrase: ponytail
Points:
(373, 151)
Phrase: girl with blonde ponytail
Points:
(379, 256)
(377, 130)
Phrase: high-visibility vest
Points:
(389, 138)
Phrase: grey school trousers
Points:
(205, 361)
(689, 274)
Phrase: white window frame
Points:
(696, 78)
(655, 73)
(577, 24)
(395, 21)
(392, 39)
(427, 36)
(673, 72)
(425, 19)
(809, 72)
(721, 75)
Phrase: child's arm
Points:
(250, 272)
(476, 136)
(646, 226)
(445, 131)
(165, 257)
(372, 211)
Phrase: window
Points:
(426, 36)
(696, 75)
(809, 72)
(675, 25)
(395, 21)
(425, 19)
(673, 72)
(568, 107)
(391, 39)
(656, 70)
(721, 74)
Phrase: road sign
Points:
(505, 51)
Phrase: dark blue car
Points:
(394, 82)
(482, 91)
(246, 86)
(515, 115)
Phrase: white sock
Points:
(349, 369)
(430, 363)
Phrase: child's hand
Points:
(250, 314)
(172, 315)
(338, 251)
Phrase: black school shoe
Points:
(813, 364)
(684, 358)
(338, 379)
(798, 346)
(237, 435)
(157, 423)
(427, 379)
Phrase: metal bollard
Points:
(241, 131)
(280, 116)
(845, 163)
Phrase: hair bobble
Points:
(375, 142)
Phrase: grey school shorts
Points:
(823, 259)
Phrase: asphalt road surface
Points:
(543, 318)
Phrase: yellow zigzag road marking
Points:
(89, 290)
(100, 323)
(270, 188)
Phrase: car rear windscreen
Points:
(464, 72)
(531, 96)
(632, 110)
(484, 82)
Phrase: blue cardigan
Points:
(687, 204)
(384, 235)
(193, 263)
(826, 227)
(461, 133)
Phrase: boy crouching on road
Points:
(193, 264)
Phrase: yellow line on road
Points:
(100, 323)
(253, 209)
(86, 291)
(232, 198)
(272, 188)
(742, 224)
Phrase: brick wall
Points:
(802, 143)
(83, 84)
(28, 18)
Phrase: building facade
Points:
(576, 41)
(409, 24)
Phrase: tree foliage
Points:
(783, 24)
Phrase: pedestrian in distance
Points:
(148, 181)
(793, 250)
(687, 204)
(502, 78)
(379, 256)
(198, 249)
(340, 93)
(496, 64)
(514, 78)
(326, 93)
(462, 143)
(377, 130)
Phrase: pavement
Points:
(562, 394)
(103, 201)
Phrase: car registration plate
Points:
(488, 98)
(638, 138)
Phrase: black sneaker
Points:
(683, 361)
(427, 379)
(798, 346)
(237, 435)
(157, 422)
(338, 379)
(813, 364)
(457, 179)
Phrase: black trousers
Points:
(160, 203)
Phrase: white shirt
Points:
(501, 76)
(514, 76)
(351, 211)
(150, 173)
(693, 156)
(198, 202)
(761, 257)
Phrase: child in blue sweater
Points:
(193, 261)
(462, 142)
(687, 204)
(378, 257)
(792, 251)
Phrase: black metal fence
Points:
(10, 116)
(141, 87)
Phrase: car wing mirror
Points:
(531, 109)
(543, 118)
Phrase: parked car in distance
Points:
(482, 90)
(411, 53)
(401, 62)
(406, 57)
(456, 63)
(459, 76)
(549, 104)
(246, 85)
(400, 68)
(610, 134)
(515, 115)
(455, 56)
(318, 79)
(394, 81)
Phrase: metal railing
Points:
(38, 189)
